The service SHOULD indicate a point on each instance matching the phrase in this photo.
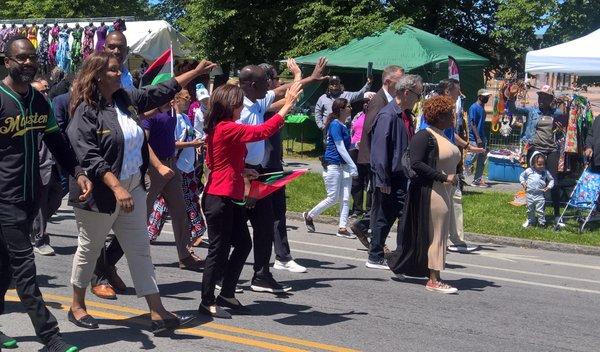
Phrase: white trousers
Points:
(457, 231)
(132, 233)
(337, 184)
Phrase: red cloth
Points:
(226, 153)
(407, 119)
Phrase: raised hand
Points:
(317, 73)
(294, 69)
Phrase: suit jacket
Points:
(378, 102)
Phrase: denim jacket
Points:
(533, 115)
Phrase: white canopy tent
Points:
(149, 39)
(580, 56)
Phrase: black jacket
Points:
(97, 139)
(593, 141)
(389, 140)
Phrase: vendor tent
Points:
(417, 51)
(149, 39)
(580, 56)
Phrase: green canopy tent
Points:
(417, 51)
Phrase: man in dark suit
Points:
(390, 76)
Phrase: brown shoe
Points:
(362, 237)
(191, 263)
(104, 291)
(115, 281)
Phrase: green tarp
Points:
(417, 51)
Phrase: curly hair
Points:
(438, 109)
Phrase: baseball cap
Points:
(483, 92)
(546, 89)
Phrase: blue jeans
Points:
(480, 159)
(386, 208)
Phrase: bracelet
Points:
(80, 173)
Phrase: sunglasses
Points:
(21, 59)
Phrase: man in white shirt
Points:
(257, 99)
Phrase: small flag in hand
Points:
(266, 184)
(160, 70)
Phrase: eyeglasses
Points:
(22, 58)
(415, 93)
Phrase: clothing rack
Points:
(39, 21)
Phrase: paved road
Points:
(510, 299)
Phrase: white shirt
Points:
(254, 114)
(133, 140)
(184, 132)
(388, 96)
(199, 123)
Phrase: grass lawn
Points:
(485, 213)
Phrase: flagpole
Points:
(172, 73)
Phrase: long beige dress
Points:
(442, 210)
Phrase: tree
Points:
(170, 10)
(573, 19)
(16, 9)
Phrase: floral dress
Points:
(32, 35)
(53, 46)
(43, 48)
(62, 54)
(101, 33)
(88, 41)
(76, 48)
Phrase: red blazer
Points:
(226, 152)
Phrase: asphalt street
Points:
(510, 299)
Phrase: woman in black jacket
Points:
(112, 148)
(427, 222)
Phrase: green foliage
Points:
(573, 19)
(170, 10)
(19, 9)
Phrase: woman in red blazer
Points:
(225, 153)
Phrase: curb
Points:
(489, 239)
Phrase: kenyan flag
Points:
(266, 184)
(161, 69)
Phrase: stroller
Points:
(583, 198)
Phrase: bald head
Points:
(116, 44)
(253, 80)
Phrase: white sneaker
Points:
(44, 249)
(559, 223)
(290, 266)
(462, 248)
(526, 224)
(238, 289)
(377, 265)
(440, 287)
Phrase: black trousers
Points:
(364, 224)
(109, 257)
(51, 195)
(17, 261)
(360, 185)
(385, 210)
(280, 239)
(226, 226)
(552, 166)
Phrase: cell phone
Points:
(370, 70)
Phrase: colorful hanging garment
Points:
(32, 35)
(76, 48)
(43, 48)
(88, 41)
(54, 32)
(571, 136)
(62, 53)
(101, 33)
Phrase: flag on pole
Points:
(453, 69)
(266, 184)
(161, 69)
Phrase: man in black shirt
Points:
(26, 116)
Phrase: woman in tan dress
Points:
(434, 159)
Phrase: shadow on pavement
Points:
(318, 264)
(300, 315)
(306, 284)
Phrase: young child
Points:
(536, 180)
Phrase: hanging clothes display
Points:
(22, 31)
(32, 35)
(43, 48)
(101, 33)
(88, 40)
(76, 47)
(53, 45)
(3, 37)
(13, 31)
(62, 54)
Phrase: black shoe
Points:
(268, 284)
(232, 303)
(214, 311)
(57, 344)
(87, 321)
(310, 225)
(164, 325)
(7, 341)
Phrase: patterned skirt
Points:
(192, 187)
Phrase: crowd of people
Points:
(127, 157)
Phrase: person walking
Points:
(335, 90)
(477, 137)
(225, 219)
(106, 137)
(339, 169)
(19, 190)
(392, 131)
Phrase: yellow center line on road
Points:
(201, 332)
